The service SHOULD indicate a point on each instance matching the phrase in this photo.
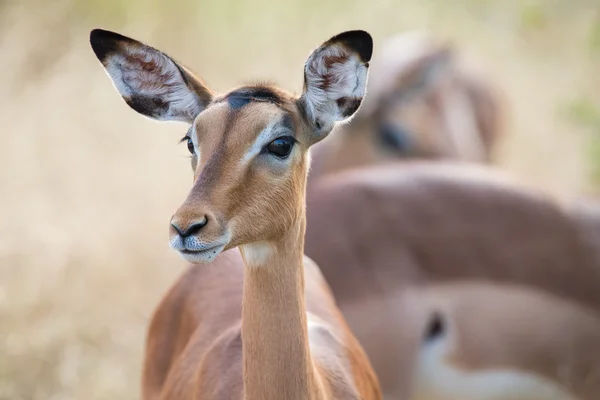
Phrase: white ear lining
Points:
(335, 84)
(153, 84)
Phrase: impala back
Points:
(377, 231)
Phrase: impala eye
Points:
(190, 145)
(281, 147)
(395, 138)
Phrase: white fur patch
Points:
(437, 379)
(257, 253)
(332, 73)
(265, 137)
(195, 250)
(142, 72)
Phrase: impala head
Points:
(417, 107)
(250, 146)
(407, 120)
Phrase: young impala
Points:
(259, 321)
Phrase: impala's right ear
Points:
(148, 80)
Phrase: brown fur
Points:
(417, 83)
(259, 322)
(525, 330)
(490, 327)
(378, 231)
(273, 293)
(194, 345)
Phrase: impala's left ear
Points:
(335, 80)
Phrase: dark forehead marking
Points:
(288, 121)
(240, 97)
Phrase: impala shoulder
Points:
(312, 270)
(331, 356)
(220, 368)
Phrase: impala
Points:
(486, 341)
(257, 322)
(378, 232)
(426, 100)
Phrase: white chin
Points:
(204, 256)
(201, 257)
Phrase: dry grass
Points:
(87, 186)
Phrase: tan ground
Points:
(87, 186)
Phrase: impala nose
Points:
(187, 229)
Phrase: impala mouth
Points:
(201, 255)
(195, 251)
(201, 251)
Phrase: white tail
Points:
(259, 321)
(425, 100)
(375, 232)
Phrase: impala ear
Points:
(149, 81)
(335, 79)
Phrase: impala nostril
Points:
(192, 228)
(177, 228)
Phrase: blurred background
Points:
(87, 186)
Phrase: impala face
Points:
(250, 146)
(406, 119)
(423, 103)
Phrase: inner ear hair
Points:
(151, 82)
(335, 77)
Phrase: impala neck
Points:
(277, 360)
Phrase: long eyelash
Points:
(186, 137)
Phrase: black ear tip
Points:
(102, 43)
(96, 33)
(105, 42)
(359, 41)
